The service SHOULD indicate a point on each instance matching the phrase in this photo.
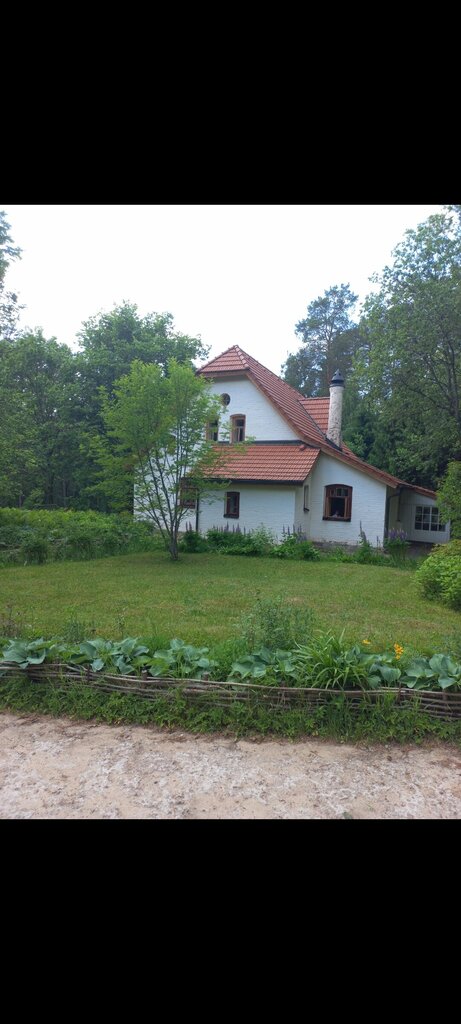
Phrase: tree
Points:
(449, 498)
(111, 342)
(329, 341)
(9, 306)
(410, 373)
(39, 437)
(158, 423)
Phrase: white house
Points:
(297, 473)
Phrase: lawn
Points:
(200, 598)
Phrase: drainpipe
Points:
(197, 509)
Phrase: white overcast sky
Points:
(231, 274)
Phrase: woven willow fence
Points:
(436, 704)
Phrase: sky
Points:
(231, 274)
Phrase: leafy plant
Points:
(275, 623)
(273, 666)
(439, 578)
(439, 672)
(181, 660)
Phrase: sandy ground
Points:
(57, 768)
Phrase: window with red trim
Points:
(338, 502)
(237, 429)
(187, 495)
(232, 505)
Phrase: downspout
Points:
(197, 509)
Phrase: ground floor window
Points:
(338, 502)
(427, 517)
(232, 504)
(188, 495)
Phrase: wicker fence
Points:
(436, 704)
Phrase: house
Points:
(297, 473)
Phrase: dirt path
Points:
(56, 768)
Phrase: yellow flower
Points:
(398, 651)
(366, 641)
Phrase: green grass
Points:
(200, 597)
(380, 723)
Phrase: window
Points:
(237, 429)
(212, 431)
(187, 495)
(306, 498)
(225, 398)
(427, 517)
(338, 502)
(232, 505)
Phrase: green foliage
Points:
(274, 623)
(409, 370)
(156, 422)
(293, 547)
(255, 543)
(380, 722)
(449, 497)
(193, 543)
(329, 339)
(181, 661)
(439, 672)
(329, 661)
(439, 578)
(37, 536)
(35, 549)
(272, 666)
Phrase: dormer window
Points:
(338, 502)
(237, 429)
(212, 430)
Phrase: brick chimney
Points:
(335, 413)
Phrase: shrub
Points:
(234, 542)
(37, 535)
(35, 549)
(439, 578)
(193, 543)
(275, 623)
(294, 548)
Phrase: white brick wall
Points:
(263, 422)
(368, 504)
(272, 506)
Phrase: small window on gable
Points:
(237, 429)
(212, 430)
(187, 495)
(232, 505)
(427, 517)
(338, 502)
(225, 398)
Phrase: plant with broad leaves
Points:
(181, 661)
(265, 664)
(439, 672)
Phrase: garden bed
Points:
(435, 704)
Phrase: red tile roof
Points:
(308, 417)
(282, 395)
(277, 463)
(318, 409)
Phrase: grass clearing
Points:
(200, 598)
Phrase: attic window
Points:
(225, 398)
(237, 429)
(212, 431)
(338, 502)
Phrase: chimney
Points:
(336, 408)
